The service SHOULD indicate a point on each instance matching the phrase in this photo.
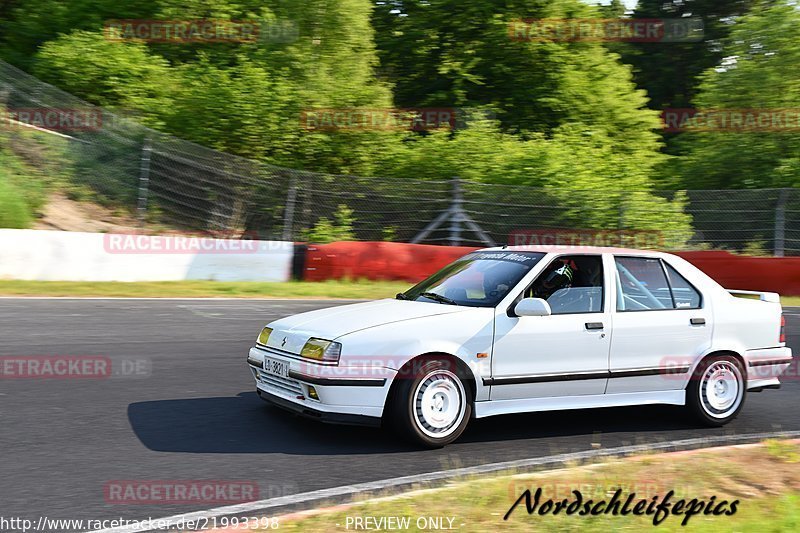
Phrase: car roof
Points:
(576, 250)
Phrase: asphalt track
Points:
(189, 412)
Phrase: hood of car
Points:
(290, 333)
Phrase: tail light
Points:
(782, 338)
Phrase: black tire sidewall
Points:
(693, 400)
(403, 418)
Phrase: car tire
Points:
(430, 406)
(717, 390)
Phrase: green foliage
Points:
(241, 109)
(576, 168)
(670, 72)
(785, 451)
(27, 24)
(757, 248)
(454, 54)
(120, 75)
(613, 10)
(340, 229)
(245, 99)
(762, 72)
(14, 211)
(32, 164)
(389, 233)
(569, 118)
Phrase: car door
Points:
(564, 354)
(660, 326)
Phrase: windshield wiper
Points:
(401, 296)
(439, 298)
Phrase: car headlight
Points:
(322, 350)
(263, 337)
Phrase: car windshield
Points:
(480, 279)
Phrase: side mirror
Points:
(532, 307)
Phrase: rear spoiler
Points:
(772, 297)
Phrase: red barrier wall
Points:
(378, 260)
(773, 274)
(414, 262)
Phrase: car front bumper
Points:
(344, 394)
(328, 417)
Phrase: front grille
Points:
(269, 350)
(281, 384)
(277, 351)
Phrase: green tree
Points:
(577, 169)
(569, 118)
(340, 229)
(27, 24)
(670, 72)
(244, 98)
(613, 10)
(762, 71)
(113, 74)
(447, 53)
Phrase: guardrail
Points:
(74, 256)
(414, 262)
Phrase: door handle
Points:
(698, 321)
(594, 325)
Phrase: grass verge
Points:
(206, 289)
(764, 478)
(360, 289)
(790, 301)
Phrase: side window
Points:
(571, 284)
(685, 295)
(642, 285)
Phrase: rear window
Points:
(647, 284)
(685, 295)
(642, 285)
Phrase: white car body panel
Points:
(534, 363)
(556, 403)
(395, 344)
(562, 346)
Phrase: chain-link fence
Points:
(175, 184)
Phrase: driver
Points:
(495, 281)
(559, 277)
(588, 272)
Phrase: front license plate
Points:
(276, 367)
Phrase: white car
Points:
(523, 329)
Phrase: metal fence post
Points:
(144, 180)
(456, 214)
(455, 210)
(288, 213)
(780, 223)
